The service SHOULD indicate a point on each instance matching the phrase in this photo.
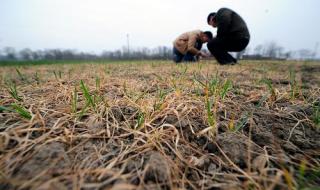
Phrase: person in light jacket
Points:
(188, 45)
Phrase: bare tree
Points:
(270, 50)
(37, 55)
(288, 54)
(10, 53)
(26, 54)
(258, 50)
(2, 57)
(305, 54)
(314, 54)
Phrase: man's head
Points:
(211, 19)
(206, 36)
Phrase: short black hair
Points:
(209, 35)
(210, 15)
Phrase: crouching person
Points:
(186, 48)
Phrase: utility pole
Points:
(315, 51)
(128, 44)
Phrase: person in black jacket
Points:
(232, 35)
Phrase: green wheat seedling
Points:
(37, 78)
(217, 90)
(158, 77)
(89, 98)
(213, 86)
(12, 89)
(293, 83)
(55, 75)
(200, 66)
(316, 114)
(307, 178)
(140, 96)
(161, 96)
(196, 87)
(174, 83)
(196, 80)
(262, 100)
(226, 87)
(83, 110)
(211, 116)
(184, 70)
(140, 120)
(216, 87)
(208, 105)
(197, 91)
(125, 89)
(23, 112)
(98, 83)
(210, 91)
(270, 87)
(21, 76)
(69, 73)
(2, 108)
(288, 178)
(107, 70)
(302, 172)
(96, 96)
(242, 122)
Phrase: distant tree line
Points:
(270, 50)
(10, 54)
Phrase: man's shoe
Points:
(233, 63)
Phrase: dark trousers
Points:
(219, 48)
(179, 57)
(188, 57)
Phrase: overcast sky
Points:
(97, 25)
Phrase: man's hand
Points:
(203, 54)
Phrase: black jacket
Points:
(230, 24)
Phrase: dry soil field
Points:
(157, 125)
